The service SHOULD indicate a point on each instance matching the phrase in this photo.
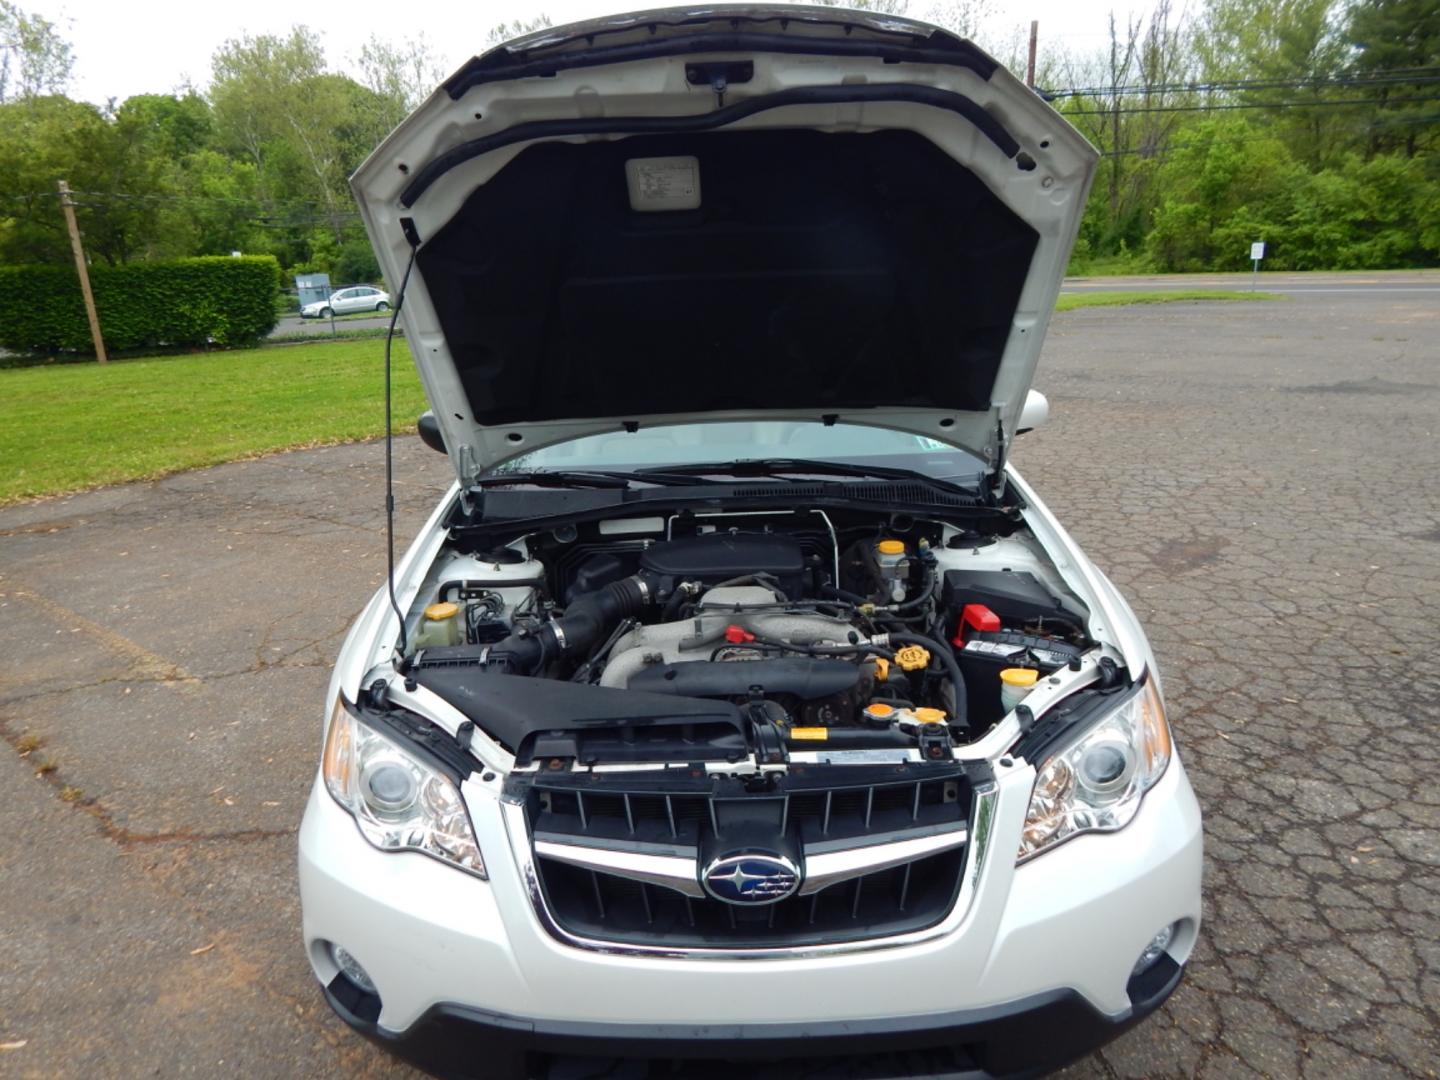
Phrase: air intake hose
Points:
(585, 624)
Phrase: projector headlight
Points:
(400, 801)
(1095, 783)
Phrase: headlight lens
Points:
(1095, 784)
(400, 802)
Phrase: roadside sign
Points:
(1257, 252)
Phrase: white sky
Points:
(155, 47)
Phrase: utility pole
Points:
(1030, 65)
(68, 205)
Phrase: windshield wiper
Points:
(555, 479)
(610, 479)
(791, 469)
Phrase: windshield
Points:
(686, 444)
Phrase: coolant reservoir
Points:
(440, 626)
(1015, 683)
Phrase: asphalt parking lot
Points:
(1262, 480)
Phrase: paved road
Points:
(1387, 282)
(1419, 282)
(1260, 479)
(294, 324)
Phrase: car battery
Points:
(983, 654)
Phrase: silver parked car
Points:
(347, 301)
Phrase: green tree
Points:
(1296, 50)
(503, 32)
(34, 59)
(400, 75)
(1389, 36)
(278, 108)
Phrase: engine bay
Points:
(712, 635)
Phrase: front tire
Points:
(382, 306)
(325, 313)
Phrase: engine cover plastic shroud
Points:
(712, 558)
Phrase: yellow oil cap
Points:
(1019, 676)
(912, 657)
(446, 609)
(928, 715)
(891, 547)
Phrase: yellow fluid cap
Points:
(446, 609)
(891, 547)
(930, 716)
(878, 710)
(912, 657)
(882, 669)
(1019, 676)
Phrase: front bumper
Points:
(1023, 1038)
(1043, 948)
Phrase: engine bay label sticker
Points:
(1007, 648)
(663, 183)
(811, 734)
(993, 648)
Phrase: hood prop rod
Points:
(414, 239)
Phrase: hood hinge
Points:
(472, 496)
(995, 455)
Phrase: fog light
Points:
(351, 969)
(1156, 949)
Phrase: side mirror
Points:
(1035, 412)
(430, 431)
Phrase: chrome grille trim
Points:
(981, 834)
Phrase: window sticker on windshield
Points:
(663, 183)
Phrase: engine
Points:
(849, 638)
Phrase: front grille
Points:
(655, 813)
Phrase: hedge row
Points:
(187, 302)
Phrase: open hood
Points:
(739, 213)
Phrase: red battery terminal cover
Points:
(976, 617)
(738, 635)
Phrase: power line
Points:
(1379, 124)
(1251, 105)
(1428, 76)
(1401, 74)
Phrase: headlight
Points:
(400, 802)
(1096, 782)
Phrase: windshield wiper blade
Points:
(782, 468)
(617, 481)
(610, 479)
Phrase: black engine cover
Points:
(718, 557)
(806, 678)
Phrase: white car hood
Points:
(752, 213)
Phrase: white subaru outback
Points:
(740, 710)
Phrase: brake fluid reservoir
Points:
(1015, 684)
(894, 567)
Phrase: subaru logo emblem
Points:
(751, 880)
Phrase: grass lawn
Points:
(1071, 301)
(64, 427)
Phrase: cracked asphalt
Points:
(1260, 479)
